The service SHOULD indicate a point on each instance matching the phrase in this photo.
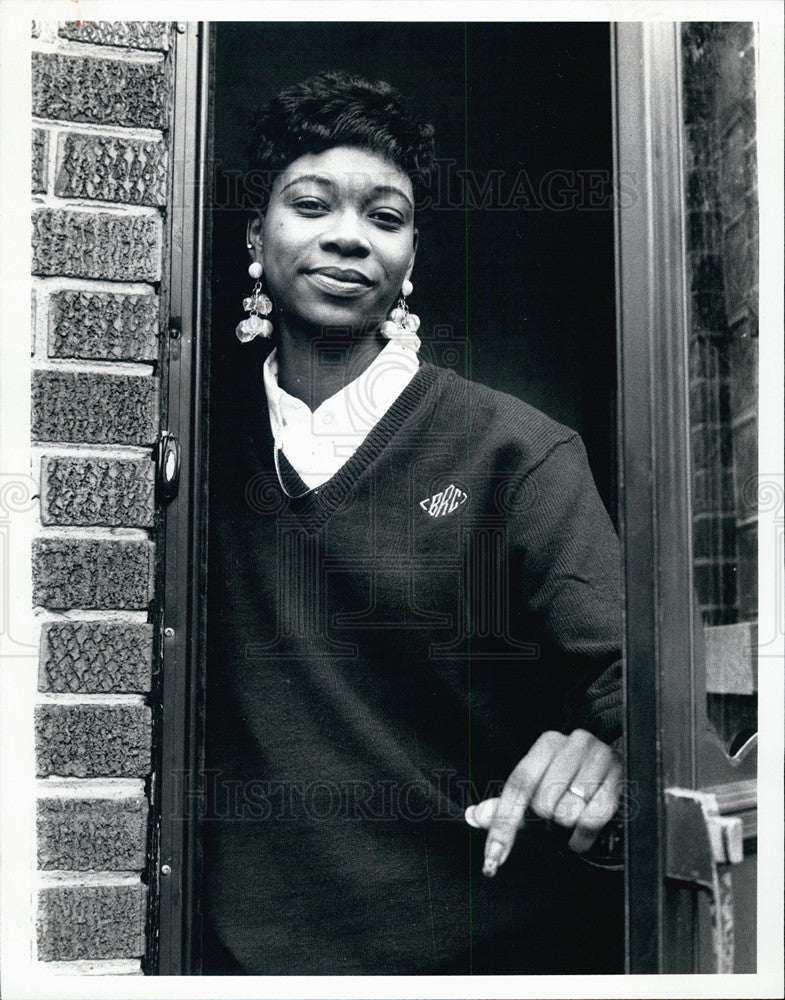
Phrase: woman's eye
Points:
(388, 219)
(310, 206)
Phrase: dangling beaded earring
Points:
(402, 326)
(258, 305)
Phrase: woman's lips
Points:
(337, 281)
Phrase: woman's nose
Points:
(346, 235)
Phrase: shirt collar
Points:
(354, 409)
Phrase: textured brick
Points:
(701, 190)
(708, 305)
(745, 456)
(744, 373)
(713, 535)
(96, 657)
(735, 179)
(92, 740)
(747, 570)
(99, 967)
(84, 324)
(93, 407)
(97, 490)
(712, 491)
(705, 230)
(111, 168)
(740, 265)
(128, 34)
(709, 400)
(82, 922)
(734, 75)
(114, 246)
(91, 573)
(104, 91)
(92, 833)
(715, 584)
(40, 157)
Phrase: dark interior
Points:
(514, 274)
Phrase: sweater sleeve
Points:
(569, 569)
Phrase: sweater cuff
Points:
(601, 710)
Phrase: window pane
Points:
(722, 251)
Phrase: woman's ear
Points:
(410, 268)
(253, 236)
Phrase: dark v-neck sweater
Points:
(382, 651)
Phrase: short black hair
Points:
(338, 109)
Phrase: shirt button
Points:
(327, 418)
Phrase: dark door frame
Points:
(668, 744)
(174, 941)
(654, 461)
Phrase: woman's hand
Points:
(573, 780)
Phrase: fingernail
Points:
(471, 817)
(489, 868)
(493, 858)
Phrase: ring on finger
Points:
(577, 790)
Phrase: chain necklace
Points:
(292, 496)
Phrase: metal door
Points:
(686, 309)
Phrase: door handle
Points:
(698, 841)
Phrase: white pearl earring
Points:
(401, 325)
(258, 305)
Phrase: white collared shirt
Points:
(317, 443)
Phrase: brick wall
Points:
(101, 104)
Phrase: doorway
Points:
(515, 283)
(514, 278)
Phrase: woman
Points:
(414, 609)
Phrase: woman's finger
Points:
(516, 795)
(563, 768)
(598, 811)
(597, 762)
(481, 815)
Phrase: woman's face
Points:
(338, 238)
